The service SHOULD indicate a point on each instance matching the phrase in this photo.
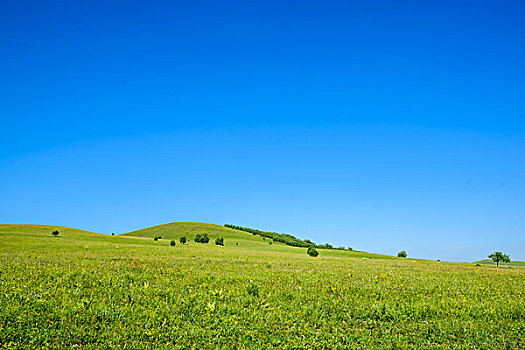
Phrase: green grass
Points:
(93, 291)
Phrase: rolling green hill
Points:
(39, 230)
(190, 229)
(236, 238)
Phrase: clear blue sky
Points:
(381, 125)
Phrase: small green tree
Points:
(402, 254)
(172, 243)
(202, 238)
(55, 233)
(156, 239)
(219, 241)
(498, 257)
(312, 252)
(182, 240)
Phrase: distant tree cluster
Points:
(277, 237)
(182, 240)
(402, 254)
(325, 246)
(202, 238)
(283, 238)
(219, 241)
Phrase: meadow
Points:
(87, 290)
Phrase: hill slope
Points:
(189, 229)
(233, 237)
(17, 229)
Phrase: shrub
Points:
(202, 238)
(172, 243)
(182, 240)
(312, 252)
(219, 241)
(270, 243)
(402, 254)
(112, 233)
(156, 239)
(55, 233)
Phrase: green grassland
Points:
(92, 291)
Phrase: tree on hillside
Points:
(55, 233)
(202, 238)
(498, 257)
(219, 241)
(402, 254)
(182, 240)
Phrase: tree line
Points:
(285, 238)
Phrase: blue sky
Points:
(374, 124)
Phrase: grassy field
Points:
(86, 290)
